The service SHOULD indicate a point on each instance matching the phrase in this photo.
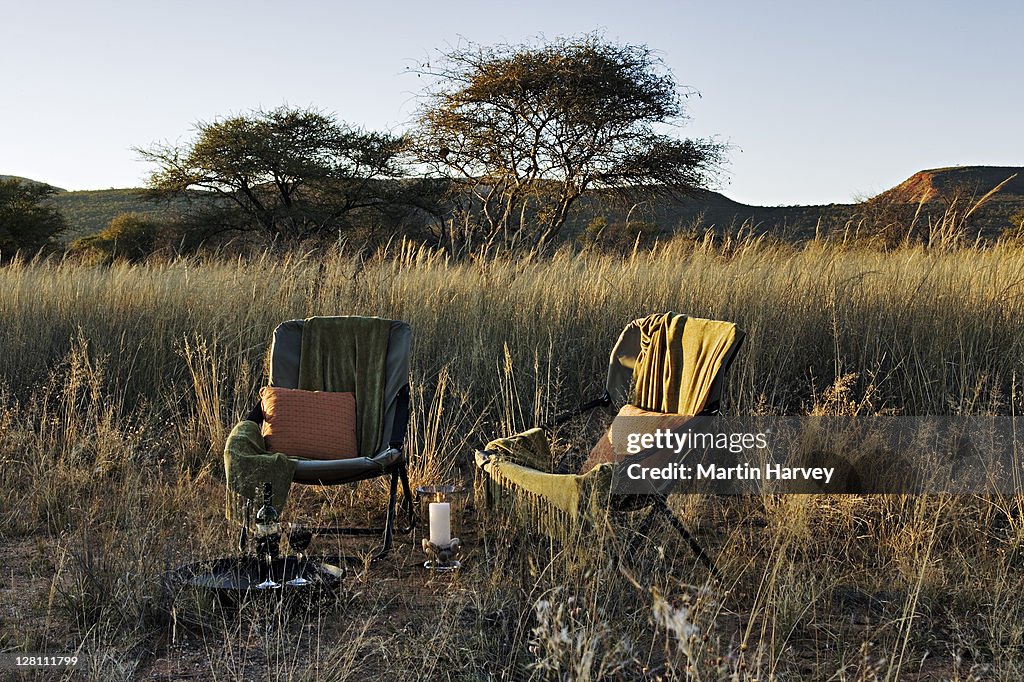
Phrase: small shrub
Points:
(128, 236)
(1015, 232)
(602, 233)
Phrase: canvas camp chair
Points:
(337, 342)
(665, 363)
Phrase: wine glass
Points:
(269, 583)
(298, 540)
(265, 551)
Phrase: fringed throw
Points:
(557, 505)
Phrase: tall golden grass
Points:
(936, 331)
(120, 382)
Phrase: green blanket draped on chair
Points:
(349, 354)
(346, 354)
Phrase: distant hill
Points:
(29, 181)
(939, 183)
(89, 211)
(938, 188)
(708, 209)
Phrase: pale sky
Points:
(823, 101)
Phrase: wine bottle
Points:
(267, 516)
(268, 529)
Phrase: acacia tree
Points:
(527, 130)
(26, 222)
(290, 173)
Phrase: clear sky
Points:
(823, 101)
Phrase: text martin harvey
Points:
(740, 472)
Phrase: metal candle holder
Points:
(442, 559)
(449, 500)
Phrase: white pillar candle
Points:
(440, 524)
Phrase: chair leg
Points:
(410, 504)
(389, 525)
(640, 532)
(660, 505)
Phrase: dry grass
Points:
(119, 383)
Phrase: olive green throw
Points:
(679, 360)
(529, 448)
(349, 354)
(247, 465)
(558, 505)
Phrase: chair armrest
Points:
(482, 457)
(604, 401)
(334, 471)
(256, 413)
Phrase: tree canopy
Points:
(26, 222)
(527, 130)
(292, 174)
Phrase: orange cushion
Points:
(309, 424)
(604, 452)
